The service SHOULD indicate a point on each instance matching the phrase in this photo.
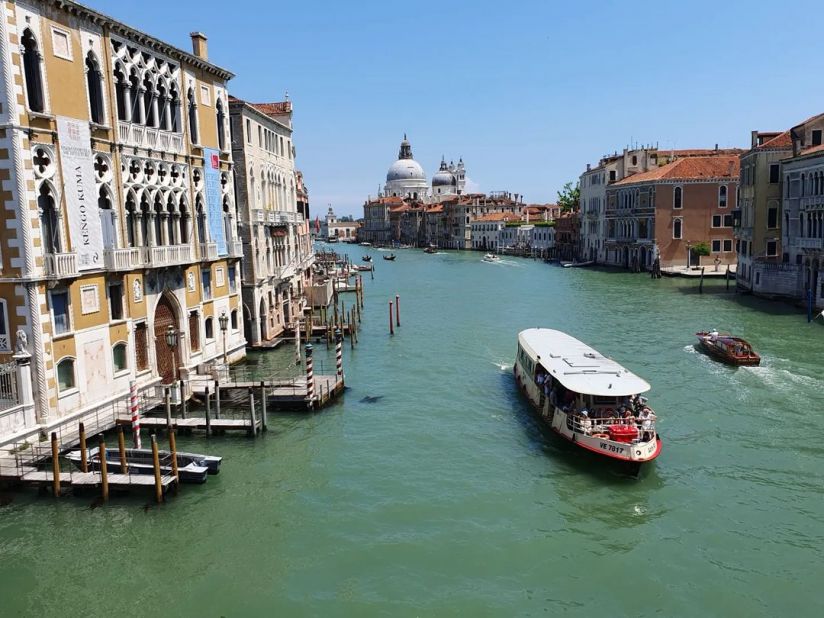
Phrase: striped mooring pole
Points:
(339, 354)
(135, 410)
(310, 377)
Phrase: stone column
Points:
(25, 390)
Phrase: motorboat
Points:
(587, 398)
(192, 467)
(390, 257)
(491, 257)
(727, 349)
(367, 258)
(366, 244)
(430, 250)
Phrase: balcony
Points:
(813, 202)
(809, 243)
(125, 259)
(235, 248)
(276, 217)
(148, 137)
(208, 251)
(58, 265)
(171, 255)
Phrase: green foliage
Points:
(569, 197)
(700, 249)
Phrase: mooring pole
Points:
(84, 461)
(121, 447)
(391, 320)
(252, 410)
(310, 378)
(168, 398)
(55, 465)
(264, 422)
(339, 355)
(173, 449)
(397, 310)
(156, 466)
(182, 399)
(217, 399)
(104, 470)
(208, 413)
(135, 409)
(701, 282)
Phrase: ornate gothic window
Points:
(193, 137)
(221, 128)
(34, 76)
(174, 115)
(94, 82)
(49, 219)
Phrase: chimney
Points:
(716, 148)
(199, 47)
(754, 138)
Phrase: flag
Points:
(317, 224)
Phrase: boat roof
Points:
(579, 367)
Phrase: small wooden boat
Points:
(727, 349)
(367, 258)
(390, 257)
(430, 250)
(192, 467)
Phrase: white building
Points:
(449, 180)
(528, 238)
(406, 177)
(487, 230)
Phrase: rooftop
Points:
(690, 168)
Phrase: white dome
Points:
(443, 178)
(405, 169)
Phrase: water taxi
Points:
(491, 257)
(585, 397)
(727, 349)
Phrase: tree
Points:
(700, 249)
(569, 197)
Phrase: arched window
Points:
(158, 220)
(676, 228)
(131, 220)
(722, 196)
(227, 220)
(676, 198)
(145, 219)
(233, 319)
(31, 69)
(209, 328)
(5, 344)
(65, 375)
(149, 101)
(49, 221)
(121, 86)
(175, 111)
(201, 220)
(221, 121)
(192, 116)
(184, 222)
(171, 214)
(119, 357)
(133, 94)
(164, 122)
(107, 224)
(94, 82)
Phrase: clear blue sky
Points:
(526, 92)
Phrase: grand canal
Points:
(444, 497)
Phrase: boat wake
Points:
(502, 366)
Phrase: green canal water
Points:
(445, 497)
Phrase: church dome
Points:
(443, 177)
(405, 169)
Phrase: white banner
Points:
(77, 165)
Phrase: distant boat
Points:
(727, 349)
(367, 258)
(366, 244)
(430, 250)
(491, 257)
(390, 257)
(577, 264)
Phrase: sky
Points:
(527, 92)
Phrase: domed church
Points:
(406, 178)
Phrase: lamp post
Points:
(223, 320)
(688, 255)
(171, 341)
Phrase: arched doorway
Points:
(247, 323)
(168, 359)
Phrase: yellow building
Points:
(118, 211)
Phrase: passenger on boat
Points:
(628, 418)
(586, 424)
(713, 335)
(647, 423)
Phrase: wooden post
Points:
(182, 399)
(84, 456)
(397, 310)
(264, 422)
(208, 413)
(701, 282)
(168, 399)
(104, 470)
(217, 399)
(252, 411)
(173, 449)
(391, 322)
(156, 465)
(55, 465)
(727, 277)
(121, 446)
(351, 332)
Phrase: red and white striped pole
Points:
(339, 355)
(397, 310)
(135, 410)
(310, 377)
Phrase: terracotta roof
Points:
(499, 216)
(690, 168)
(812, 150)
(782, 140)
(278, 108)
(434, 209)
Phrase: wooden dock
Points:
(93, 479)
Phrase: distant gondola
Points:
(390, 257)
(367, 258)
